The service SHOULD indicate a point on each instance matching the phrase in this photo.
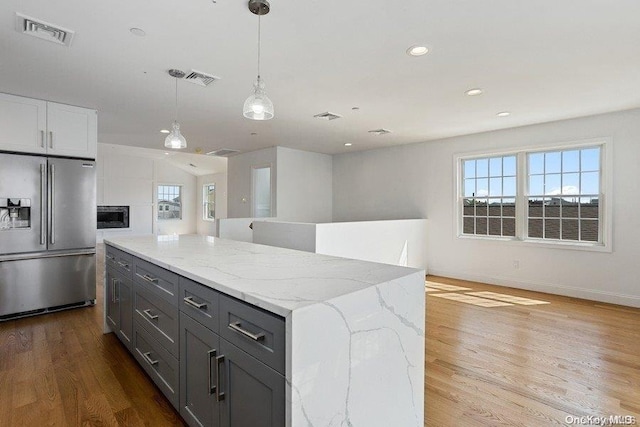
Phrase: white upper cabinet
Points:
(34, 126)
(23, 124)
(72, 131)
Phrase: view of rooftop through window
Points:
(562, 200)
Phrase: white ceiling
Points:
(542, 60)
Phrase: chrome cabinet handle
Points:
(212, 389)
(219, 394)
(113, 291)
(123, 265)
(149, 315)
(147, 278)
(147, 357)
(52, 238)
(50, 139)
(43, 202)
(189, 300)
(111, 257)
(42, 138)
(236, 327)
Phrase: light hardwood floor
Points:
(516, 365)
(529, 365)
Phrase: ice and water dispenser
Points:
(15, 213)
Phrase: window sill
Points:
(549, 244)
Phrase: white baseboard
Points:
(555, 289)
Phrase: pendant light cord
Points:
(176, 98)
(258, 46)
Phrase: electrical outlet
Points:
(516, 264)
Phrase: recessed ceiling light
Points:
(348, 144)
(137, 32)
(503, 114)
(166, 154)
(254, 133)
(474, 92)
(164, 131)
(355, 108)
(417, 50)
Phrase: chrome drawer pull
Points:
(212, 388)
(147, 278)
(147, 357)
(149, 315)
(236, 327)
(123, 265)
(109, 257)
(192, 303)
(220, 393)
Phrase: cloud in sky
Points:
(567, 189)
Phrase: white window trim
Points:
(157, 207)
(204, 203)
(606, 179)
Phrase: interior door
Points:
(23, 186)
(72, 204)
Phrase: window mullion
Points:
(521, 195)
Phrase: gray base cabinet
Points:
(254, 394)
(223, 386)
(198, 373)
(119, 305)
(218, 360)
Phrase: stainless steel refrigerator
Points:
(47, 234)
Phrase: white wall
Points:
(292, 235)
(129, 176)
(168, 174)
(418, 180)
(402, 242)
(304, 188)
(220, 181)
(126, 180)
(301, 183)
(240, 181)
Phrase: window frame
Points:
(157, 210)
(605, 216)
(205, 203)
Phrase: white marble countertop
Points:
(276, 279)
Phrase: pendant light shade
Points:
(258, 106)
(175, 139)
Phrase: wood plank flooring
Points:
(513, 366)
(61, 370)
(529, 365)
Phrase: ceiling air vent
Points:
(223, 152)
(380, 131)
(43, 30)
(327, 116)
(201, 79)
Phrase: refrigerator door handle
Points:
(50, 139)
(43, 204)
(52, 230)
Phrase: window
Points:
(564, 195)
(209, 202)
(546, 196)
(489, 202)
(169, 202)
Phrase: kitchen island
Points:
(301, 339)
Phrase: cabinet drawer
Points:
(161, 366)
(158, 280)
(158, 317)
(259, 333)
(121, 261)
(200, 302)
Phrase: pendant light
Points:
(175, 138)
(258, 106)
